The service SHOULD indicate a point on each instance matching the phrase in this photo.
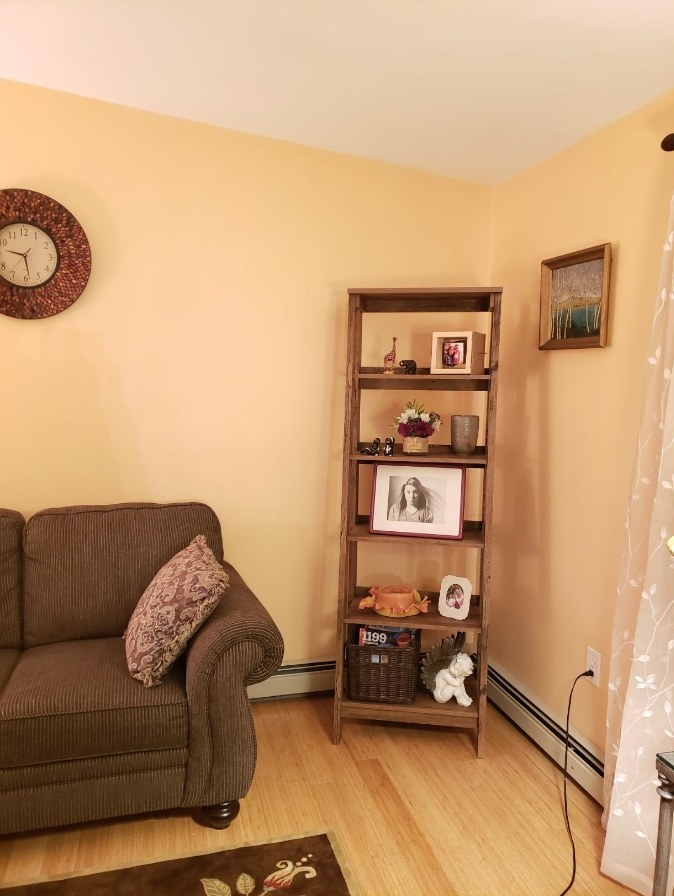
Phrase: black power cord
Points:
(587, 674)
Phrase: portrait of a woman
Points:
(413, 503)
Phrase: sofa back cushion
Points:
(85, 567)
(11, 529)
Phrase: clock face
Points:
(28, 256)
(45, 259)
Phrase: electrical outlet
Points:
(593, 663)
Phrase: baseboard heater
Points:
(296, 679)
(583, 767)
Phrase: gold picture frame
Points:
(574, 299)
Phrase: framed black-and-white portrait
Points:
(420, 499)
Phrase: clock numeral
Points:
(23, 231)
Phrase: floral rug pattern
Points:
(306, 866)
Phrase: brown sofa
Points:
(80, 739)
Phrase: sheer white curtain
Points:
(641, 678)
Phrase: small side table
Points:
(664, 764)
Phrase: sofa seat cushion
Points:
(55, 774)
(76, 700)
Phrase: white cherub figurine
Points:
(449, 681)
(444, 669)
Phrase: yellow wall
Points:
(568, 420)
(205, 359)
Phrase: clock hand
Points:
(20, 254)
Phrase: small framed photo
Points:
(458, 353)
(424, 500)
(454, 598)
(574, 299)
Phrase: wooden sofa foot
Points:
(221, 815)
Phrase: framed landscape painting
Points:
(574, 299)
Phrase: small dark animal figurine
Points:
(410, 366)
(389, 442)
(373, 449)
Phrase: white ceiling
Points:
(469, 89)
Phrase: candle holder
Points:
(464, 433)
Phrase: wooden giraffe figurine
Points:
(390, 358)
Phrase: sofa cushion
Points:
(86, 566)
(67, 774)
(177, 601)
(87, 799)
(11, 610)
(76, 700)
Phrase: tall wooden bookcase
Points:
(440, 310)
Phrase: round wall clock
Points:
(45, 259)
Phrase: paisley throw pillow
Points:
(181, 596)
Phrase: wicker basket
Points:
(382, 674)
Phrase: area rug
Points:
(307, 866)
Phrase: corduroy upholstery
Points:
(85, 568)
(11, 529)
(80, 739)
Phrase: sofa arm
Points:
(238, 617)
(238, 645)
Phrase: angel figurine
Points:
(445, 669)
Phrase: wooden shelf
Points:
(424, 711)
(437, 454)
(374, 378)
(430, 621)
(484, 304)
(473, 536)
(439, 300)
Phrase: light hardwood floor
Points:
(414, 811)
